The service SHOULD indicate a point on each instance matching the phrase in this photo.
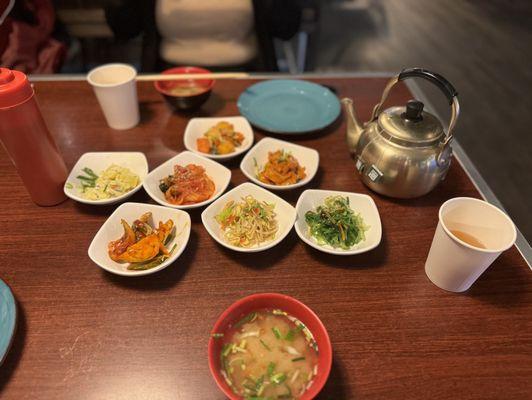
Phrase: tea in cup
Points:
(470, 235)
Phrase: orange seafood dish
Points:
(142, 245)
(281, 169)
(188, 185)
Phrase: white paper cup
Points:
(455, 265)
(116, 90)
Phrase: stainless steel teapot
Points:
(403, 151)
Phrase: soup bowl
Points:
(271, 301)
(185, 102)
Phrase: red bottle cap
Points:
(14, 88)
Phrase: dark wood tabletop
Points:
(84, 333)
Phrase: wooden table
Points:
(86, 334)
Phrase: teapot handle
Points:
(443, 84)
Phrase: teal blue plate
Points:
(289, 106)
(8, 317)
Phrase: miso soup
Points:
(186, 90)
(269, 354)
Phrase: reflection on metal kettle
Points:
(403, 151)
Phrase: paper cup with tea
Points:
(470, 235)
(116, 90)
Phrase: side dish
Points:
(220, 139)
(142, 245)
(334, 223)
(268, 354)
(187, 185)
(247, 223)
(112, 182)
(281, 169)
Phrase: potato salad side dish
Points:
(112, 182)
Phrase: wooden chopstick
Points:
(174, 77)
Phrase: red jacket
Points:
(28, 46)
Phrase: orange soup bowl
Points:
(185, 101)
(285, 303)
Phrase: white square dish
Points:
(219, 174)
(286, 215)
(112, 230)
(360, 203)
(258, 156)
(196, 127)
(98, 162)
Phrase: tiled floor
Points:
(483, 47)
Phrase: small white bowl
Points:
(196, 127)
(286, 215)
(219, 174)
(100, 161)
(307, 157)
(112, 230)
(360, 203)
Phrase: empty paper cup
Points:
(470, 235)
(116, 90)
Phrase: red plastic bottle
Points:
(28, 141)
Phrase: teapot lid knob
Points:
(414, 109)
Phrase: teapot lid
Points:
(410, 126)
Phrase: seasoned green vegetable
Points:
(336, 224)
(88, 180)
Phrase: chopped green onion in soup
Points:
(268, 354)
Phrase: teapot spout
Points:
(354, 128)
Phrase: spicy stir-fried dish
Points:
(282, 168)
(220, 139)
(336, 224)
(112, 182)
(268, 354)
(142, 245)
(187, 185)
(248, 222)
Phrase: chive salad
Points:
(334, 223)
